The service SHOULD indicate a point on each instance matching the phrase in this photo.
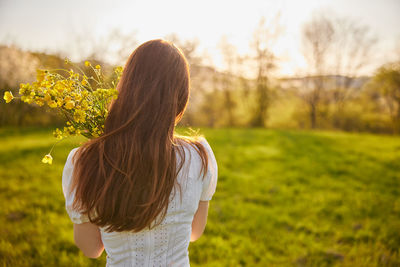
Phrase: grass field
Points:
(284, 198)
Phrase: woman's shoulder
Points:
(191, 146)
(210, 153)
(70, 156)
(206, 145)
(69, 166)
(73, 151)
(193, 156)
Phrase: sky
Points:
(52, 25)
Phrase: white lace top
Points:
(166, 244)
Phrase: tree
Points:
(387, 82)
(317, 40)
(229, 55)
(114, 48)
(264, 38)
(352, 48)
(16, 66)
(189, 49)
(210, 103)
(336, 49)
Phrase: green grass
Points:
(284, 198)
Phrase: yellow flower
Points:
(79, 116)
(58, 134)
(84, 105)
(22, 91)
(77, 97)
(47, 159)
(119, 70)
(59, 102)
(70, 85)
(39, 102)
(47, 97)
(8, 96)
(52, 104)
(70, 130)
(69, 105)
(46, 83)
(27, 99)
(59, 87)
(40, 75)
(84, 94)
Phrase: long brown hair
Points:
(123, 179)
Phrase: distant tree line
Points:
(331, 93)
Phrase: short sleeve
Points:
(211, 177)
(74, 215)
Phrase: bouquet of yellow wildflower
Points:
(81, 99)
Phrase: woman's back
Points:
(167, 243)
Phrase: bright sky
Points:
(50, 25)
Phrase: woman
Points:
(140, 191)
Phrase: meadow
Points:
(284, 198)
